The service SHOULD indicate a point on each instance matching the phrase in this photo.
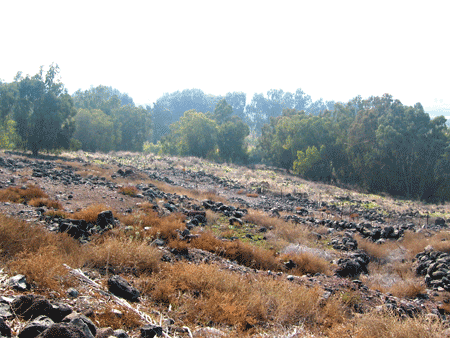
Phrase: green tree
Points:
(95, 130)
(222, 112)
(195, 134)
(231, 140)
(45, 111)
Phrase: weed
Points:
(129, 191)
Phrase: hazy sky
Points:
(333, 50)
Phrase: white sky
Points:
(333, 50)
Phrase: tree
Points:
(222, 112)
(194, 134)
(230, 140)
(45, 111)
(95, 130)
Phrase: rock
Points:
(5, 330)
(18, 282)
(105, 218)
(149, 331)
(105, 332)
(35, 327)
(77, 320)
(121, 288)
(5, 311)
(120, 333)
(439, 221)
(31, 306)
(66, 330)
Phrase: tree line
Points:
(377, 144)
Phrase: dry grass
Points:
(120, 254)
(21, 195)
(39, 255)
(376, 325)
(261, 218)
(126, 319)
(129, 191)
(45, 202)
(306, 262)
(252, 195)
(243, 253)
(409, 288)
(203, 293)
(377, 252)
(259, 258)
(90, 213)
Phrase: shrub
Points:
(21, 194)
(123, 255)
(90, 213)
(129, 191)
(45, 202)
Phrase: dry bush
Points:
(203, 293)
(289, 232)
(377, 252)
(306, 262)
(240, 192)
(44, 268)
(39, 255)
(252, 195)
(122, 255)
(21, 195)
(90, 213)
(126, 320)
(376, 325)
(243, 253)
(212, 217)
(129, 191)
(45, 202)
(409, 288)
(260, 218)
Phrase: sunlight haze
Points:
(331, 50)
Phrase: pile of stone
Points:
(435, 266)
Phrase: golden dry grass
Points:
(128, 190)
(90, 213)
(36, 253)
(307, 263)
(45, 202)
(386, 325)
(121, 254)
(21, 195)
(203, 293)
(127, 320)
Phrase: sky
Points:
(333, 50)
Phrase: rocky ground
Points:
(338, 217)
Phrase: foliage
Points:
(44, 112)
(109, 120)
(195, 135)
(95, 130)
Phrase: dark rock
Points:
(439, 221)
(35, 327)
(31, 306)
(5, 330)
(66, 330)
(149, 331)
(105, 218)
(78, 320)
(59, 311)
(121, 288)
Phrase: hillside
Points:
(125, 244)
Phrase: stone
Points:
(77, 320)
(18, 282)
(5, 330)
(105, 218)
(35, 327)
(149, 331)
(66, 330)
(121, 288)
